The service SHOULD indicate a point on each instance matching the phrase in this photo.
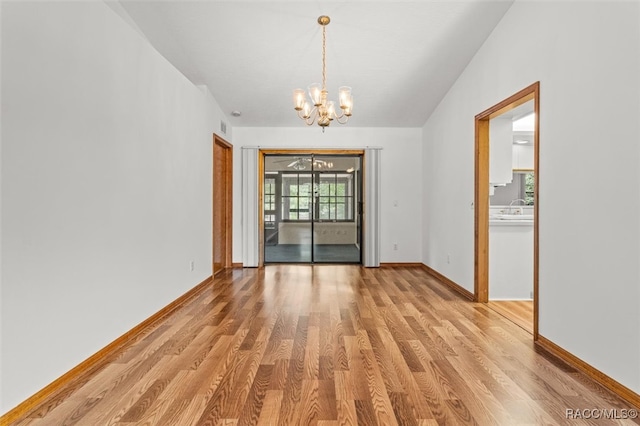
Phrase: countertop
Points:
(510, 222)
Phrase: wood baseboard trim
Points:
(400, 265)
(451, 284)
(616, 387)
(78, 373)
(237, 265)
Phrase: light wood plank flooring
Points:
(520, 312)
(330, 345)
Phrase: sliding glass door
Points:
(312, 209)
(291, 225)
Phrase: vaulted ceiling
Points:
(399, 57)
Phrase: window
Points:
(269, 202)
(296, 196)
(529, 185)
(333, 194)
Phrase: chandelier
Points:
(319, 109)
(300, 163)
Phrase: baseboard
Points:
(237, 265)
(400, 265)
(619, 389)
(77, 374)
(452, 285)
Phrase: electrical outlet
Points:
(191, 265)
(448, 258)
(395, 246)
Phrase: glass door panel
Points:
(288, 209)
(335, 231)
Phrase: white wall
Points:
(586, 57)
(400, 177)
(106, 186)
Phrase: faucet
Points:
(515, 201)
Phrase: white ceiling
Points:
(400, 57)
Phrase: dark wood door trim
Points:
(222, 189)
(481, 216)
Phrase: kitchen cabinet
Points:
(500, 151)
(522, 158)
(510, 260)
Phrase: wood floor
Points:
(330, 345)
(520, 312)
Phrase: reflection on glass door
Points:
(312, 209)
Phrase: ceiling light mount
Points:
(324, 20)
(319, 109)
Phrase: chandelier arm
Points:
(312, 116)
(339, 119)
(310, 122)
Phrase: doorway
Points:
(496, 123)
(312, 208)
(222, 204)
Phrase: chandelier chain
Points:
(324, 57)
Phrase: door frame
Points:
(309, 151)
(481, 202)
(222, 180)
